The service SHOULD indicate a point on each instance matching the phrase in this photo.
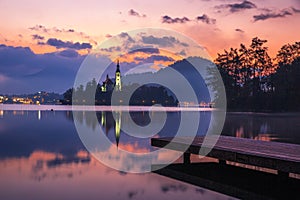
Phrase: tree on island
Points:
(145, 95)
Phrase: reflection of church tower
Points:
(118, 127)
(103, 119)
(118, 78)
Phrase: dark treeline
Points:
(145, 95)
(253, 81)
(256, 82)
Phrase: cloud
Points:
(145, 50)
(269, 14)
(111, 49)
(42, 28)
(67, 161)
(37, 37)
(69, 53)
(23, 71)
(68, 44)
(296, 2)
(169, 20)
(108, 35)
(132, 12)
(166, 41)
(125, 35)
(236, 7)
(204, 18)
(182, 53)
(239, 30)
(153, 58)
(123, 42)
(41, 43)
(56, 32)
(295, 10)
(39, 28)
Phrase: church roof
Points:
(108, 81)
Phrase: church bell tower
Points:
(118, 78)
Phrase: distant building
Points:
(109, 85)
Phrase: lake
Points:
(43, 157)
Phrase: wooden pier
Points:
(283, 157)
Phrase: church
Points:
(108, 85)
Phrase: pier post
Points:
(186, 158)
(283, 175)
(222, 162)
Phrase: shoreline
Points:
(274, 114)
(30, 107)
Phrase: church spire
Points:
(118, 66)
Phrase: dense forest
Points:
(146, 95)
(253, 81)
(256, 82)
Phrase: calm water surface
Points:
(42, 156)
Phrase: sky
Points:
(43, 43)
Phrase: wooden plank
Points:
(274, 155)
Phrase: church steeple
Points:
(118, 66)
(118, 77)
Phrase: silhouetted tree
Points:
(288, 53)
(68, 96)
(245, 72)
(287, 79)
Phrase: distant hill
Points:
(185, 68)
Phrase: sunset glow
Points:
(60, 35)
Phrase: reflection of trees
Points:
(249, 127)
(111, 123)
(108, 122)
(69, 115)
(277, 127)
(87, 117)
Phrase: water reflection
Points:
(281, 127)
(118, 115)
(1, 113)
(45, 159)
(121, 139)
(39, 115)
(113, 124)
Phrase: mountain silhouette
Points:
(185, 68)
